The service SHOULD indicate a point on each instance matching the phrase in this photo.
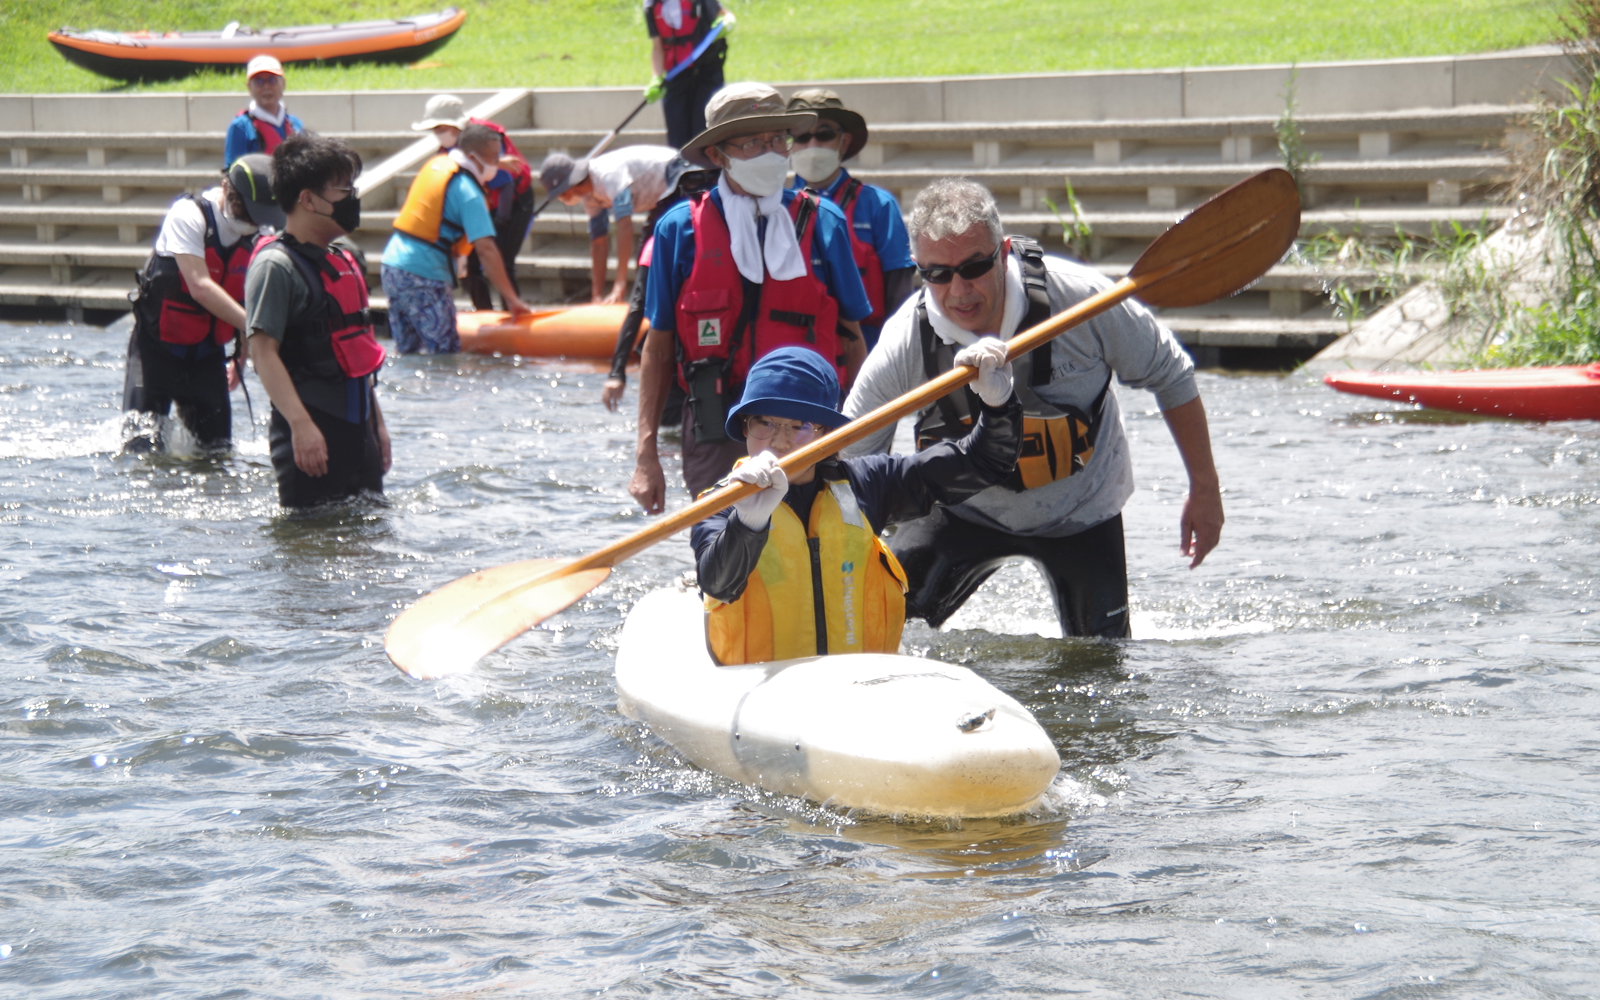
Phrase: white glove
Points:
(988, 355)
(755, 511)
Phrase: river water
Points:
(1355, 754)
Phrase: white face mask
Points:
(815, 164)
(760, 176)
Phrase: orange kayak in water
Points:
(573, 332)
(1568, 393)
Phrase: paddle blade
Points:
(1224, 245)
(449, 630)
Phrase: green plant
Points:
(1554, 316)
(1076, 233)
(1291, 137)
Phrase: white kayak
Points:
(899, 735)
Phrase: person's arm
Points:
(214, 300)
(627, 336)
(1200, 525)
(310, 449)
(382, 430)
(897, 488)
(726, 551)
(658, 54)
(897, 287)
(649, 483)
(619, 287)
(599, 247)
(855, 351)
(494, 268)
(236, 143)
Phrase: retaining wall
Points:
(1228, 91)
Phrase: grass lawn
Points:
(549, 43)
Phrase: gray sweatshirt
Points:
(1126, 340)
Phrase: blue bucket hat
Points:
(794, 383)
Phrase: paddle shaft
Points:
(605, 140)
(803, 458)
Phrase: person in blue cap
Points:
(797, 569)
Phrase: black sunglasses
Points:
(969, 271)
(821, 135)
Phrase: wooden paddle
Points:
(1218, 249)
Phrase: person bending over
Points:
(311, 333)
(446, 216)
(797, 569)
(189, 306)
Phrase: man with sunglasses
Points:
(877, 231)
(736, 273)
(1062, 508)
(797, 569)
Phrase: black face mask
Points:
(346, 213)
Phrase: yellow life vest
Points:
(835, 588)
(423, 211)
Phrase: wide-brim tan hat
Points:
(743, 109)
(442, 109)
(828, 105)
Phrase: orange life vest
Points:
(423, 213)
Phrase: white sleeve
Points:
(183, 231)
(893, 368)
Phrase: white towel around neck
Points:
(1016, 308)
(782, 249)
(277, 119)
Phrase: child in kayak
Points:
(797, 569)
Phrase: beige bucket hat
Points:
(743, 109)
(829, 106)
(442, 109)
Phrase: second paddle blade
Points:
(450, 629)
(1225, 244)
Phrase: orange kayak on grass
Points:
(1567, 393)
(152, 55)
(574, 332)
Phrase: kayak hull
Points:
(151, 56)
(1561, 393)
(577, 332)
(890, 734)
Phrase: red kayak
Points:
(1571, 393)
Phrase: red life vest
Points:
(847, 197)
(333, 339)
(521, 173)
(166, 309)
(713, 321)
(677, 43)
(270, 137)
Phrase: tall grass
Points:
(602, 42)
(1557, 189)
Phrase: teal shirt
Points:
(465, 211)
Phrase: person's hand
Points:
(727, 20)
(310, 449)
(517, 307)
(618, 293)
(755, 510)
(988, 355)
(611, 393)
(657, 87)
(1200, 527)
(648, 485)
(235, 372)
